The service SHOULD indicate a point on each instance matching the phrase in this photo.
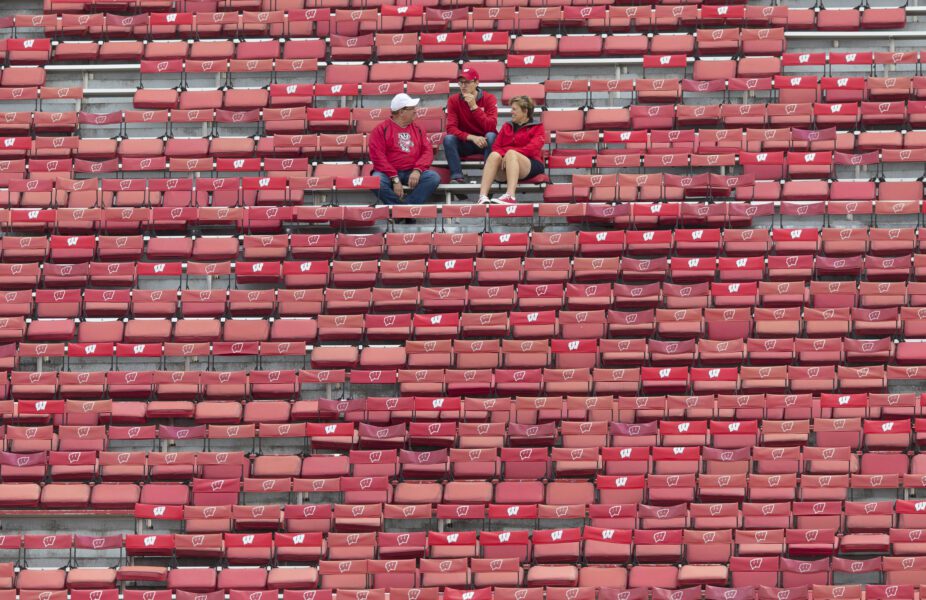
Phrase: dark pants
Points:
(454, 148)
(427, 183)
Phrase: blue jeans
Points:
(427, 183)
(454, 147)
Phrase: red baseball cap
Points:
(469, 75)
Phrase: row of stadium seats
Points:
(631, 380)
(581, 463)
(574, 462)
(261, 418)
(183, 155)
(519, 354)
(166, 501)
(658, 141)
(515, 464)
(904, 592)
(401, 46)
(710, 592)
(610, 149)
(553, 296)
(401, 279)
(187, 386)
(593, 545)
(566, 246)
(252, 219)
(461, 271)
(569, 299)
(541, 290)
(539, 546)
(748, 592)
(733, 242)
(619, 146)
(712, 76)
(50, 188)
(239, 210)
(385, 46)
(716, 324)
(846, 517)
(660, 379)
(707, 147)
(280, 21)
(434, 574)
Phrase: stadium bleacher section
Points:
(687, 365)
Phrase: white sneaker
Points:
(506, 199)
(484, 200)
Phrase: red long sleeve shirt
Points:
(463, 121)
(393, 148)
(528, 139)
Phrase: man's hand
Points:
(478, 140)
(470, 99)
(398, 189)
(413, 178)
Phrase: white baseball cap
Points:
(400, 101)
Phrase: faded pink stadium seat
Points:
(193, 579)
(242, 578)
(114, 495)
(149, 98)
(653, 576)
(838, 19)
(91, 578)
(41, 579)
(23, 77)
(19, 494)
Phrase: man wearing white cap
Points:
(402, 155)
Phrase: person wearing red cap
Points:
(472, 120)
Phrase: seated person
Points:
(472, 118)
(401, 154)
(517, 153)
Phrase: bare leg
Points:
(517, 166)
(489, 171)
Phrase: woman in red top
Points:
(516, 154)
